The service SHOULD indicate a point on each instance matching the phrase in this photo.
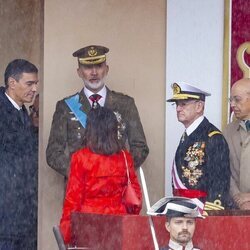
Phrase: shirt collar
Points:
(175, 246)
(194, 125)
(102, 93)
(243, 124)
(13, 102)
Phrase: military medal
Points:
(94, 105)
(194, 158)
(121, 125)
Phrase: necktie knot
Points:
(247, 125)
(184, 136)
(95, 98)
(22, 115)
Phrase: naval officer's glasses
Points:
(183, 104)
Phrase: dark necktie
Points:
(183, 137)
(247, 125)
(22, 115)
(95, 98)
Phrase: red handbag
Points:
(129, 197)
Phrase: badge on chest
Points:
(191, 169)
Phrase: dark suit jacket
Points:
(66, 135)
(18, 172)
(168, 248)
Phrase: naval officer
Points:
(201, 165)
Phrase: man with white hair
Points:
(201, 166)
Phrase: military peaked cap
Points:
(90, 55)
(184, 91)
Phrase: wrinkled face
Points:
(23, 90)
(93, 76)
(240, 101)
(181, 229)
(188, 111)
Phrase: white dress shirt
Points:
(102, 93)
(13, 102)
(194, 125)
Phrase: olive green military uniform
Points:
(66, 135)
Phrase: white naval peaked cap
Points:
(185, 91)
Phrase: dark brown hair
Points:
(16, 68)
(101, 131)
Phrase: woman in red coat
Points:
(98, 173)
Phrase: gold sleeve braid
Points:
(216, 132)
(216, 205)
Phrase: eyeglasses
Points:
(183, 104)
(236, 99)
(33, 110)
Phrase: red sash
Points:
(181, 190)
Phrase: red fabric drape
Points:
(240, 33)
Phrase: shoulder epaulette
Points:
(116, 92)
(120, 94)
(216, 132)
(216, 205)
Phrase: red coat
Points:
(96, 183)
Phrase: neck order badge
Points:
(95, 98)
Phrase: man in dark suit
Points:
(18, 158)
(201, 167)
(68, 125)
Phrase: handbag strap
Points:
(126, 163)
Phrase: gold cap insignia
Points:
(91, 55)
(176, 89)
(92, 51)
(184, 91)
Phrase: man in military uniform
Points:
(68, 125)
(181, 216)
(201, 166)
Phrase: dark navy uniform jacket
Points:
(176, 246)
(202, 162)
